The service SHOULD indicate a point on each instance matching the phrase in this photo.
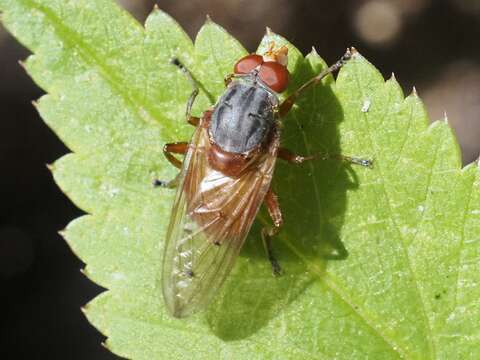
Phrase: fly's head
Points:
(271, 67)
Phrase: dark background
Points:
(430, 43)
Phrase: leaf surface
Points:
(378, 263)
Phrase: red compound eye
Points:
(275, 75)
(247, 64)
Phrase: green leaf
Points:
(378, 263)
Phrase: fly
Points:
(226, 175)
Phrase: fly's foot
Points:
(175, 61)
(164, 184)
(368, 163)
(159, 183)
(276, 268)
(267, 234)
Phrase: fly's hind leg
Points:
(192, 120)
(273, 207)
(168, 151)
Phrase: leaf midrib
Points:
(324, 276)
(335, 289)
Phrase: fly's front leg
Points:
(293, 158)
(287, 104)
(192, 120)
(168, 151)
(273, 207)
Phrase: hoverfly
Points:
(226, 175)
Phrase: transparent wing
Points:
(210, 220)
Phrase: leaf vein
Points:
(462, 240)
(400, 235)
(89, 56)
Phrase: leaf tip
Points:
(84, 309)
(50, 167)
(414, 92)
(314, 51)
(268, 31)
(105, 345)
(445, 117)
(62, 233)
(208, 19)
(155, 7)
(393, 77)
(22, 64)
(84, 272)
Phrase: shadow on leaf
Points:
(313, 200)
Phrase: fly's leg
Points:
(273, 207)
(287, 104)
(368, 163)
(293, 158)
(168, 151)
(172, 184)
(192, 120)
(180, 147)
(228, 79)
(175, 148)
